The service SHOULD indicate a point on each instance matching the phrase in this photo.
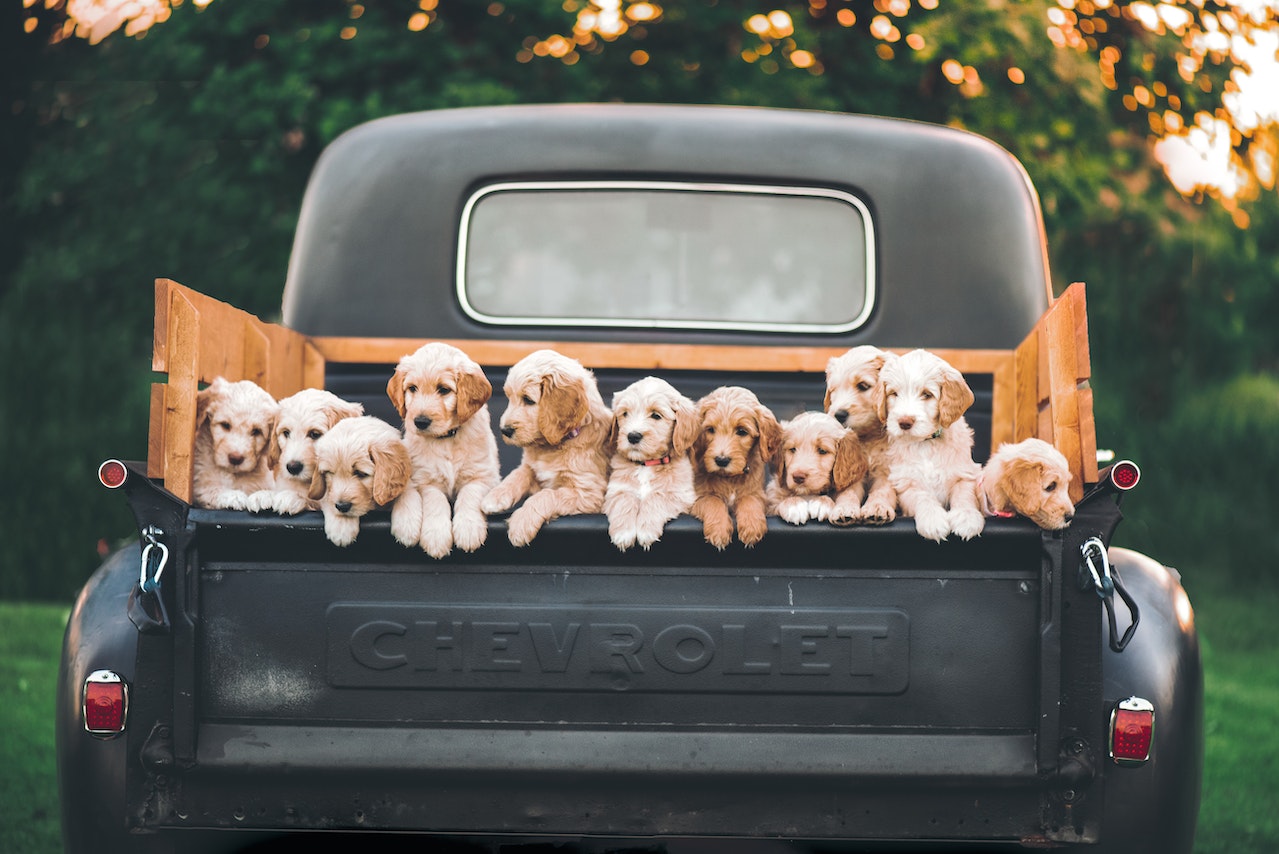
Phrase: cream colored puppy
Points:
(1030, 478)
(818, 471)
(442, 395)
(303, 418)
(234, 422)
(651, 476)
(853, 391)
(360, 464)
(554, 412)
(930, 445)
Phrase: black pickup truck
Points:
(234, 678)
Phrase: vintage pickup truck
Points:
(234, 678)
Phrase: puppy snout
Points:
(235, 459)
(508, 431)
(342, 506)
(798, 478)
(294, 467)
(723, 462)
(1069, 517)
(841, 415)
(905, 424)
(635, 437)
(423, 423)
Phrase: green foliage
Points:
(184, 154)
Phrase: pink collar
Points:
(658, 462)
(986, 507)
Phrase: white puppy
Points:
(234, 422)
(930, 445)
(442, 395)
(651, 476)
(360, 464)
(303, 418)
(1030, 478)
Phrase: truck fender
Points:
(1154, 807)
(91, 770)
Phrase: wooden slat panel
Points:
(1026, 393)
(312, 367)
(1063, 388)
(635, 356)
(1003, 403)
(155, 434)
(182, 361)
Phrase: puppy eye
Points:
(925, 395)
(411, 388)
(443, 391)
(284, 434)
(256, 432)
(360, 474)
(864, 386)
(225, 425)
(528, 401)
(1052, 487)
(743, 432)
(656, 416)
(314, 434)
(822, 452)
(710, 431)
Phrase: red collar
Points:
(659, 462)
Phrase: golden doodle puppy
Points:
(818, 471)
(442, 395)
(853, 390)
(360, 464)
(234, 423)
(651, 475)
(930, 445)
(1030, 478)
(555, 414)
(303, 418)
(736, 438)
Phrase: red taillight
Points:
(1125, 474)
(112, 474)
(1132, 726)
(106, 703)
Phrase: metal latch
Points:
(1103, 578)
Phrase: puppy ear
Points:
(778, 458)
(851, 464)
(343, 409)
(395, 389)
(881, 403)
(272, 450)
(956, 397)
(562, 407)
(1021, 482)
(770, 432)
(687, 427)
(205, 397)
(392, 468)
(473, 391)
(318, 485)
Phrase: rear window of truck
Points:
(666, 255)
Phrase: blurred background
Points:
(173, 138)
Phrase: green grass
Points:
(1241, 713)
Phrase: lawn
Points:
(1241, 776)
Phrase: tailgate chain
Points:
(1107, 583)
(148, 580)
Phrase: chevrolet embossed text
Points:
(851, 651)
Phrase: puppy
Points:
(853, 390)
(442, 395)
(554, 412)
(1029, 478)
(930, 445)
(302, 419)
(234, 422)
(818, 471)
(360, 464)
(651, 475)
(737, 436)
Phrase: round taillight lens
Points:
(112, 473)
(1125, 474)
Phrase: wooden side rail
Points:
(198, 338)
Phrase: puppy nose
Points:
(634, 437)
(235, 459)
(1069, 517)
(422, 422)
(841, 415)
(723, 462)
(294, 468)
(508, 432)
(799, 477)
(343, 506)
(905, 423)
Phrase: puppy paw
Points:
(523, 527)
(341, 530)
(793, 510)
(878, 513)
(498, 501)
(232, 499)
(437, 537)
(406, 524)
(260, 501)
(845, 513)
(967, 523)
(933, 523)
(820, 508)
(751, 531)
(288, 503)
(718, 535)
(646, 538)
(470, 530)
